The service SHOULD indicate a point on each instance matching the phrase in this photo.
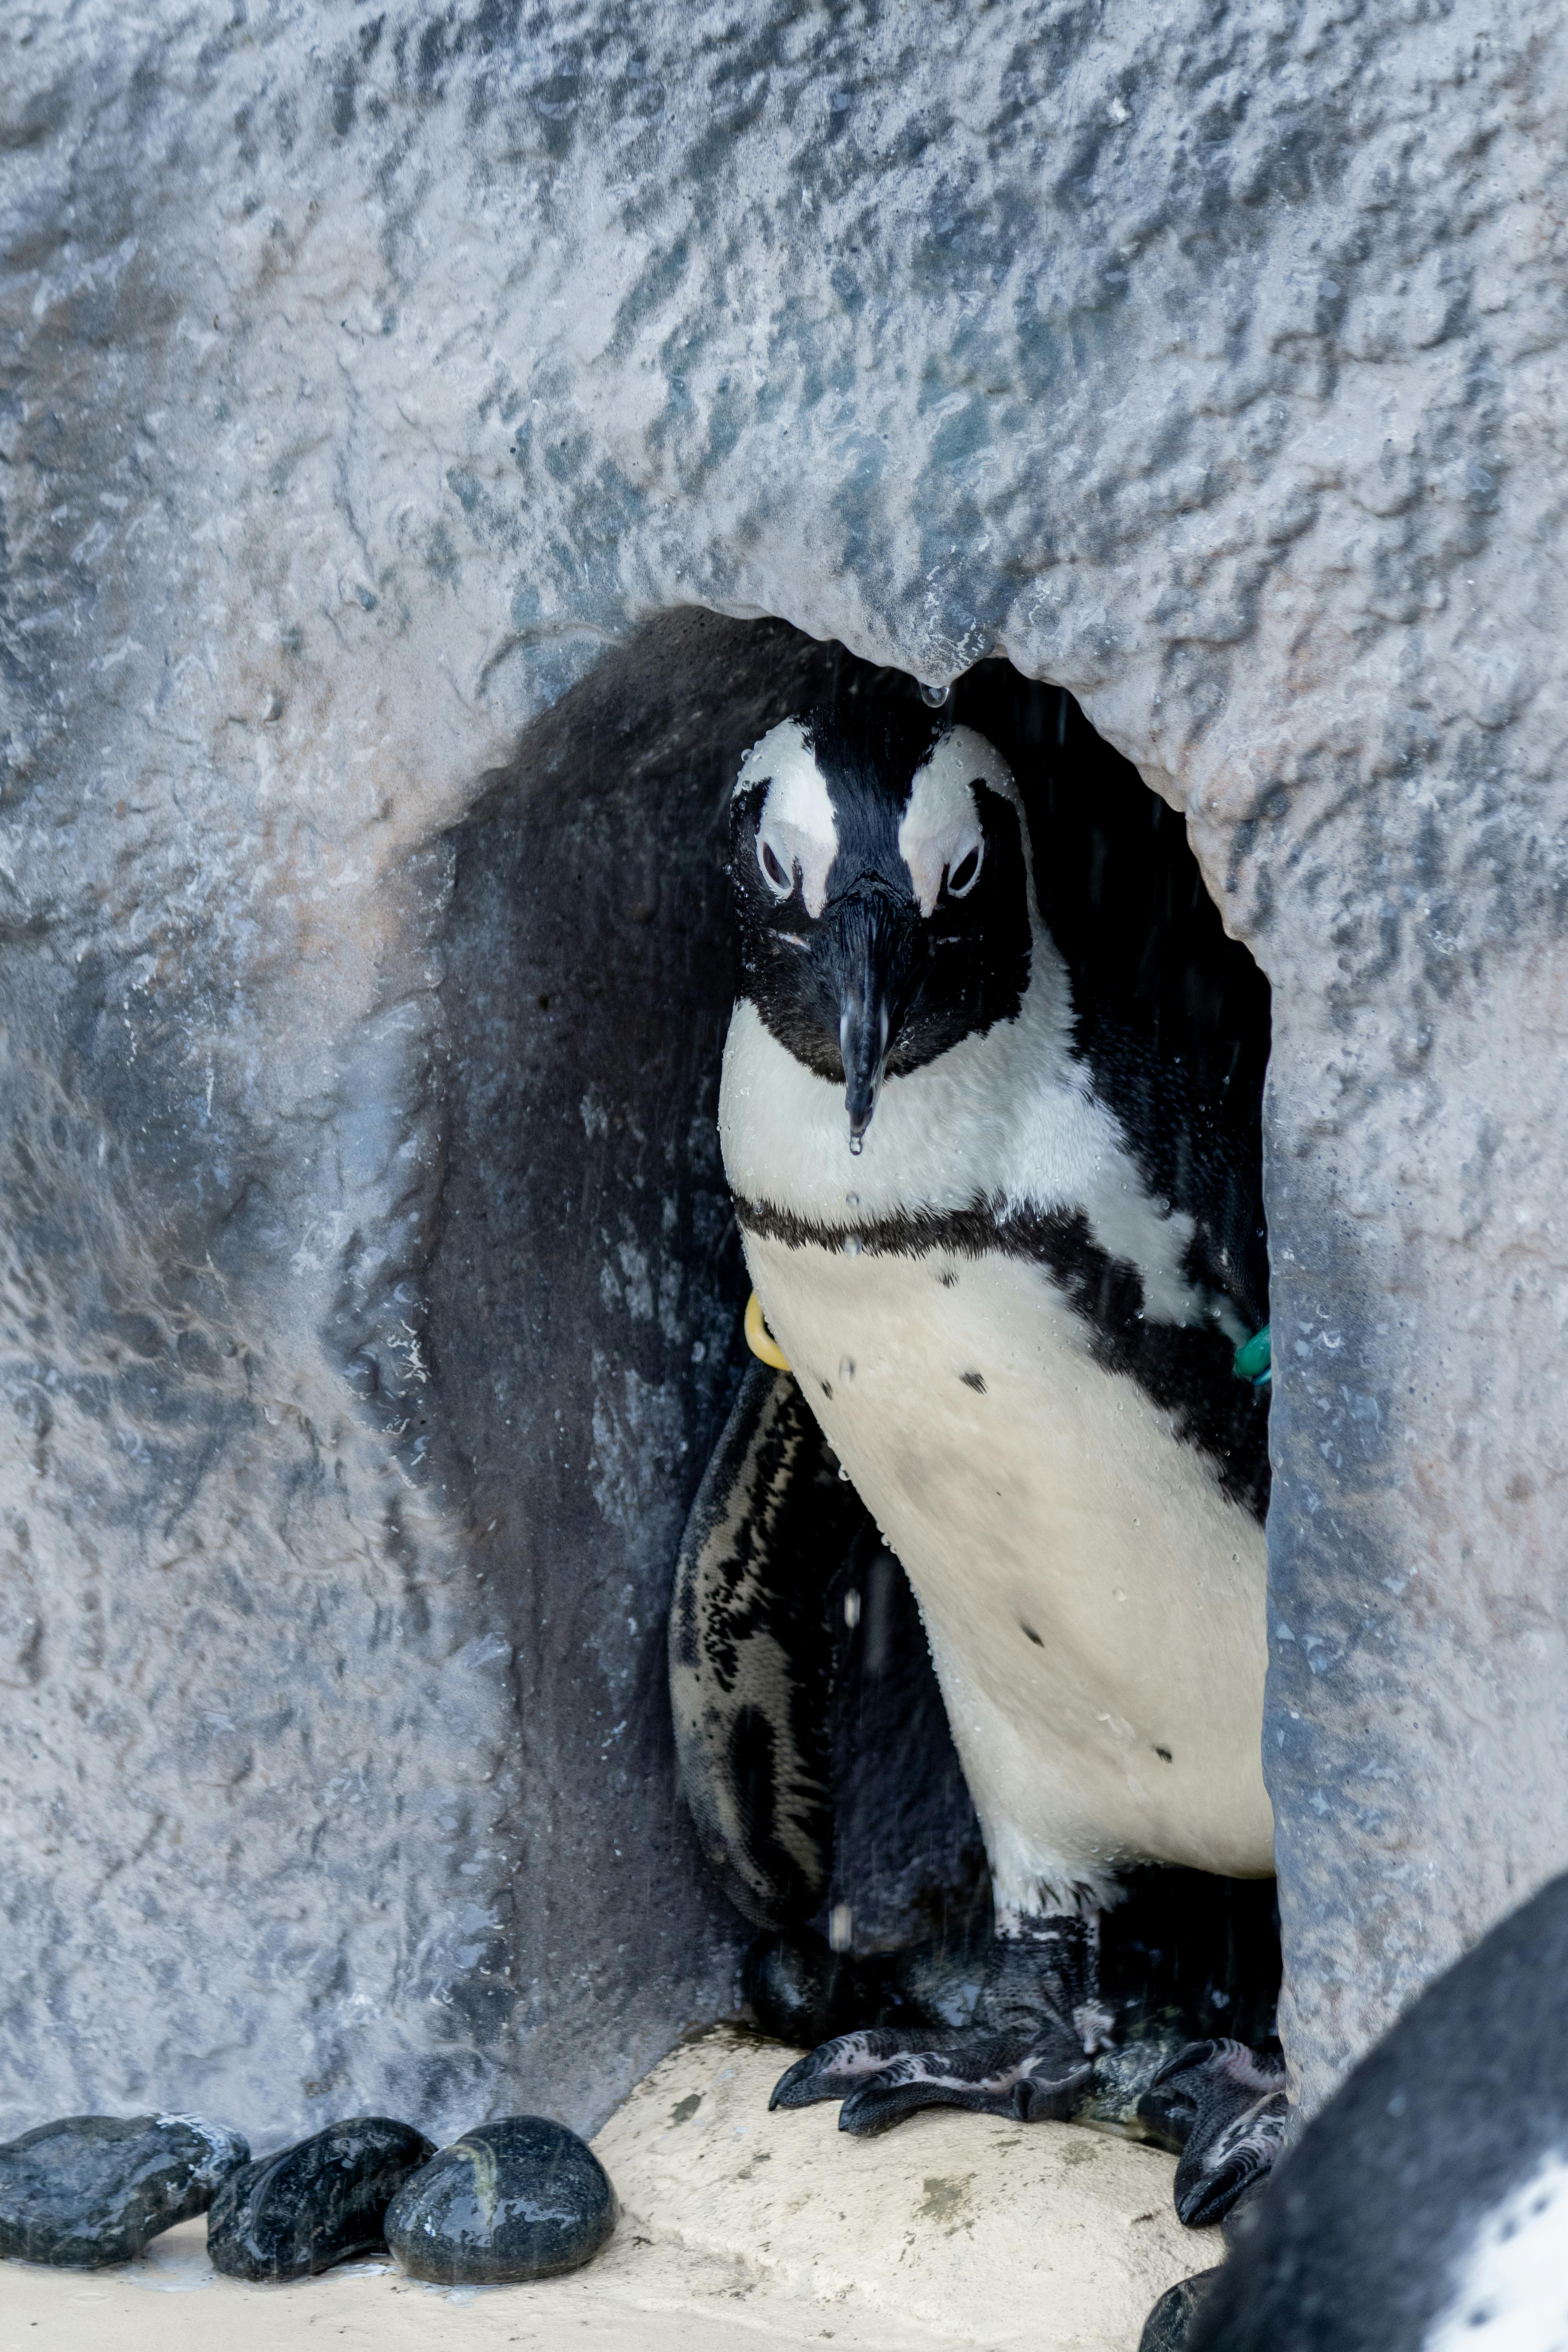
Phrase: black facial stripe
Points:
(1187, 1371)
(866, 821)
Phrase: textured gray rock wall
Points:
(367, 376)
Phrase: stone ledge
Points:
(736, 2226)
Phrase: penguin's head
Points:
(878, 865)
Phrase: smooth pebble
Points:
(522, 2199)
(93, 2189)
(318, 2203)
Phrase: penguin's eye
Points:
(777, 876)
(961, 879)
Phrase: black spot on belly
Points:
(1165, 1752)
(1188, 1370)
(828, 1390)
(1032, 1635)
(975, 1380)
(948, 1279)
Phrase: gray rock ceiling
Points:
(370, 377)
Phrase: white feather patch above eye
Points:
(796, 823)
(941, 828)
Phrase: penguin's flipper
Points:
(1224, 2105)
(754, 1651)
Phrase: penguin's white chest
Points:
(1094, 1601)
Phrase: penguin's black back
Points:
(1361, 2241)
(1171, 1014)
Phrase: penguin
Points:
(1011, 1251)
(1424, 2208)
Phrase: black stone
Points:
(93, 2189)
(936, 1983)
(522, 2199)
(321, 2201)
(800, 1991)
(1168, 2325)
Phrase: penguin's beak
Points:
(863, 1032)
(871, 951)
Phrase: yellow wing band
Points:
(760, 1339)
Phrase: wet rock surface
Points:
(737, 2228)
(318, 2203)
(1224, 396)
(89, 2191)
(522, 2199)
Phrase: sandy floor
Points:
(737, 2228)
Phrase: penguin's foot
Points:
(1026, 2053)
(1222, 2106)
(886, 2071)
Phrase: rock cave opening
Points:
(590, 973)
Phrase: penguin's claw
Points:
(834, 2069)
(1038, 2080)
(1224, 2105)
(886, 2073)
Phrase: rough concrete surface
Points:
(737, 2227)
(371, 375)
